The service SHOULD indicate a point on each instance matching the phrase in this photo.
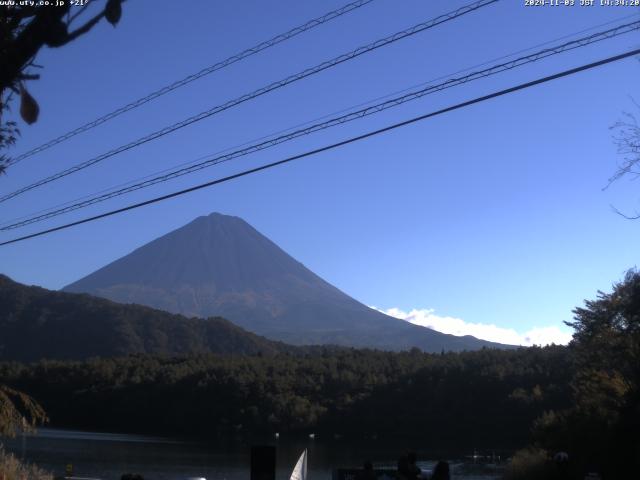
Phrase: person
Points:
(367, 472)
(561, 460)
(413, 470)
(403, 469)
(441, 471)
(131, 476)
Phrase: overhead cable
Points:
(370, 110)
(327, 17)
(261, 91)
(342, 143)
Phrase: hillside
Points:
(37, 323)
(488, 397)
(220, 265)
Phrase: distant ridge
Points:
(36, 323)
(219, 265)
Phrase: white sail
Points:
(300, 470)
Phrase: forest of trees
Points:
(485, 397)
(38, 323)
(583, 398)
(601, 426)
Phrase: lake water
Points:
(108, 456)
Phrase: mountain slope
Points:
(36, 323)
(220, 265)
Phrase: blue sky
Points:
(494, 214)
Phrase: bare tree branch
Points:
(627, 140)
(628, 217)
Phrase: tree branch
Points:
(80, 11)
(628, 217)
(84, 29)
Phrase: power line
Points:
(327, 17)
(261, 91)
(329, 115)
(309, 153)
(488, 62)
(370, 110)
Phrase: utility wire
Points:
(317, 119)
(348, 141)
(309, 122)
(327, 17)
(261, 91)
(370, 110)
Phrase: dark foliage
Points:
(583, 399)
(24, 30)
(488, 396)
(600, 430)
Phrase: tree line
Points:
(489, 396)
(583, 399)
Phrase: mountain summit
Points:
(219, 265)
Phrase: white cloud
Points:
(456, 326)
